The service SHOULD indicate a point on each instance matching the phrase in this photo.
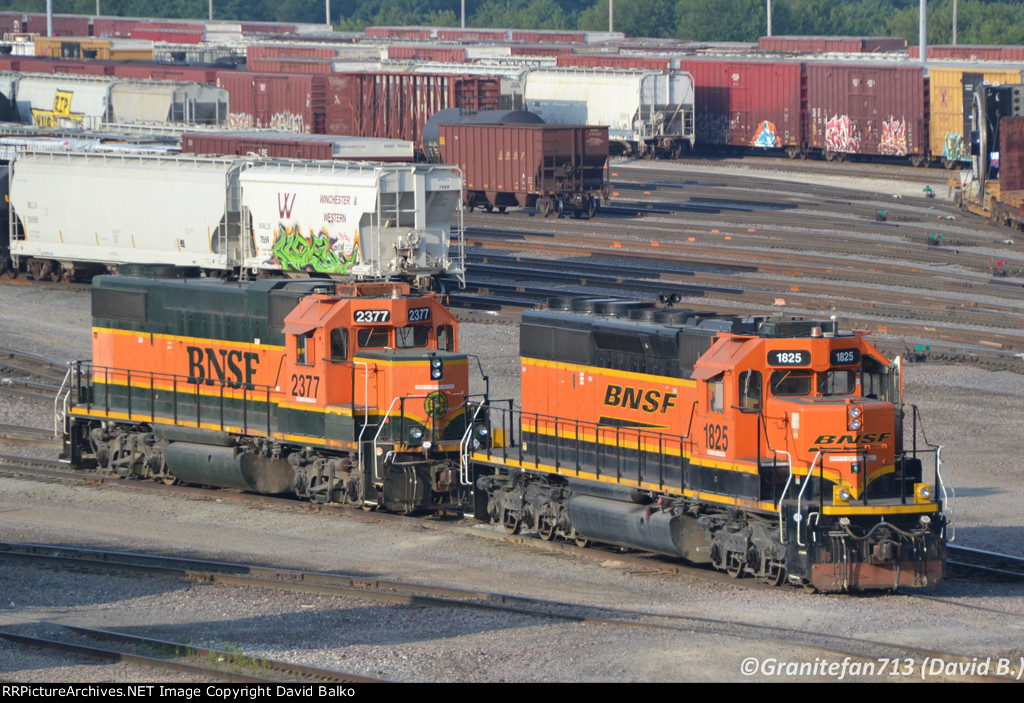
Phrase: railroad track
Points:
(989, 565)
(159, 655)
(406, 594)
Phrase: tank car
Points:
(351, 393)
(765, 447)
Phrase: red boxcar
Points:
(535, 50)
(171, 36)
(822, 45)
(291, 65)
(746, 103)
(867, 109)
(555, 168)
(614, 61)
(473, 34)
(399, 32)
(112, 26)
(273, 51)
(444, 54)
(388, 105)
(554, 36)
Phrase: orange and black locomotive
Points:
(773, 448)
(337, 392)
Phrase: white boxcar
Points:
(73, 213)
(643, 110)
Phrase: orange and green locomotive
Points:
(772, 448)
(337, 392)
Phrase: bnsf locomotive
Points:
(350, 393)
(772, 448)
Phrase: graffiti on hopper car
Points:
(319, 252)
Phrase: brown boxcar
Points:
(614, 61)
(418, 52)
(553, 168)
(878, 110)
(385, 105)
(747, 103)
(821, 45)
(296, 146)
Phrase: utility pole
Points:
(611, 13)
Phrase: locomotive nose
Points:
(855, 441)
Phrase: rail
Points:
(61, 404)
(234, 406)
(637, 455)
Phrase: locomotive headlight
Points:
(844, 494)
(416, 434)
(482, 431)
(854, 424)
(854, 411)
(840, 495)
(436, 369)
(923, 492)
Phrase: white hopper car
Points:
(77, 214)
(643, 110)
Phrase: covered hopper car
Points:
(75, 214)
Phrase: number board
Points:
(369, 317)
(419, 314)
(789, 357)
(845, 357)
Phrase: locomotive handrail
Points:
(464, 478)
(948, 494)
(60, 404)
(384, 421)
(785, 490)
(800, 496)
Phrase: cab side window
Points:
(339, 344)
(304, 348)
(716, 394)
(750, 390)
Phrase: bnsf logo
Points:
(231, 367)
(852, 438)
(638, 399)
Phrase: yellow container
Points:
(89, 48)
(946, 128)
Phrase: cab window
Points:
(787, 382)
(716, 393)
(373, 337)
(303, 348)
(874, 381)
(446, 337)
(837, 382)
(750, 390)
(412, 336)
(339, 344)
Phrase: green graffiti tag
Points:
(316, 253)
(954, 148)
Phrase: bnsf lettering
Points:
(648, 401)
(852, 438)
(231, 367)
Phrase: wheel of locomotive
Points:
(734, 566)
(949, 164)
(776, 574)
(546, 528)
(512, 523)
(752, 560)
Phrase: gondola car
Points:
(351, 393)
(771, 448)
